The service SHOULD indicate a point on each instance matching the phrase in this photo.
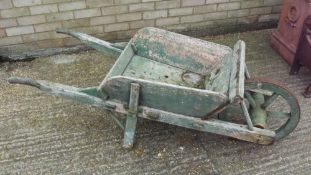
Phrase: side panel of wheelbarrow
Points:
(166, 97)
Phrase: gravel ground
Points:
(41, 134)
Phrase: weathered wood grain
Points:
(148, 69)
(103, 46)
(119, 66)
(239, 49)
(219, 79)
(238, 131)
(167, 97)
(29, 55)
(131, 120)
(178, 50)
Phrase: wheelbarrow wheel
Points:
(275, 97)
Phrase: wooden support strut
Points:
(131, 121)
(247, 116)
(241, 132)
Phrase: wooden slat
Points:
(219, 78)
(237, 131)
(240, 49)
(233, 82)
(167, 97)
(148, 69)
(120, 65)
(236, 89)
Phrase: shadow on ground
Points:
(48, 135)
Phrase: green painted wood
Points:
(239, 48)
(260, 91)
(143, 68)
(278, 114)
(180, 51)
(236, 87)
(93, 91)
(250, 99)
(119, 45)
(141, 73)
(269, 100)
(247, 116)
(238, 131)
(167, 97)
(232, 81)
(219, 78)
(88, 96)
(276, 88)
(120, 65)
(105, 47)
(131, 120)
(61, 90)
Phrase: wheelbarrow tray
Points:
(175, 73)
(175, 79)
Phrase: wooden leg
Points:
(307, 93)
(130, 126)
(295, 67)
(299, 52)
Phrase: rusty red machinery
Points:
(292, 40)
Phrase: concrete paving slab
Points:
(41, 134)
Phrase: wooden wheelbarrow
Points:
(179, 80)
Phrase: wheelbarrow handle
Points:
(82, 95)
(25, 81)
(60, 90)
(65, 31)
(110, 49)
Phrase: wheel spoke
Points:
(261, 91)
(269, 100)
(281, 115)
